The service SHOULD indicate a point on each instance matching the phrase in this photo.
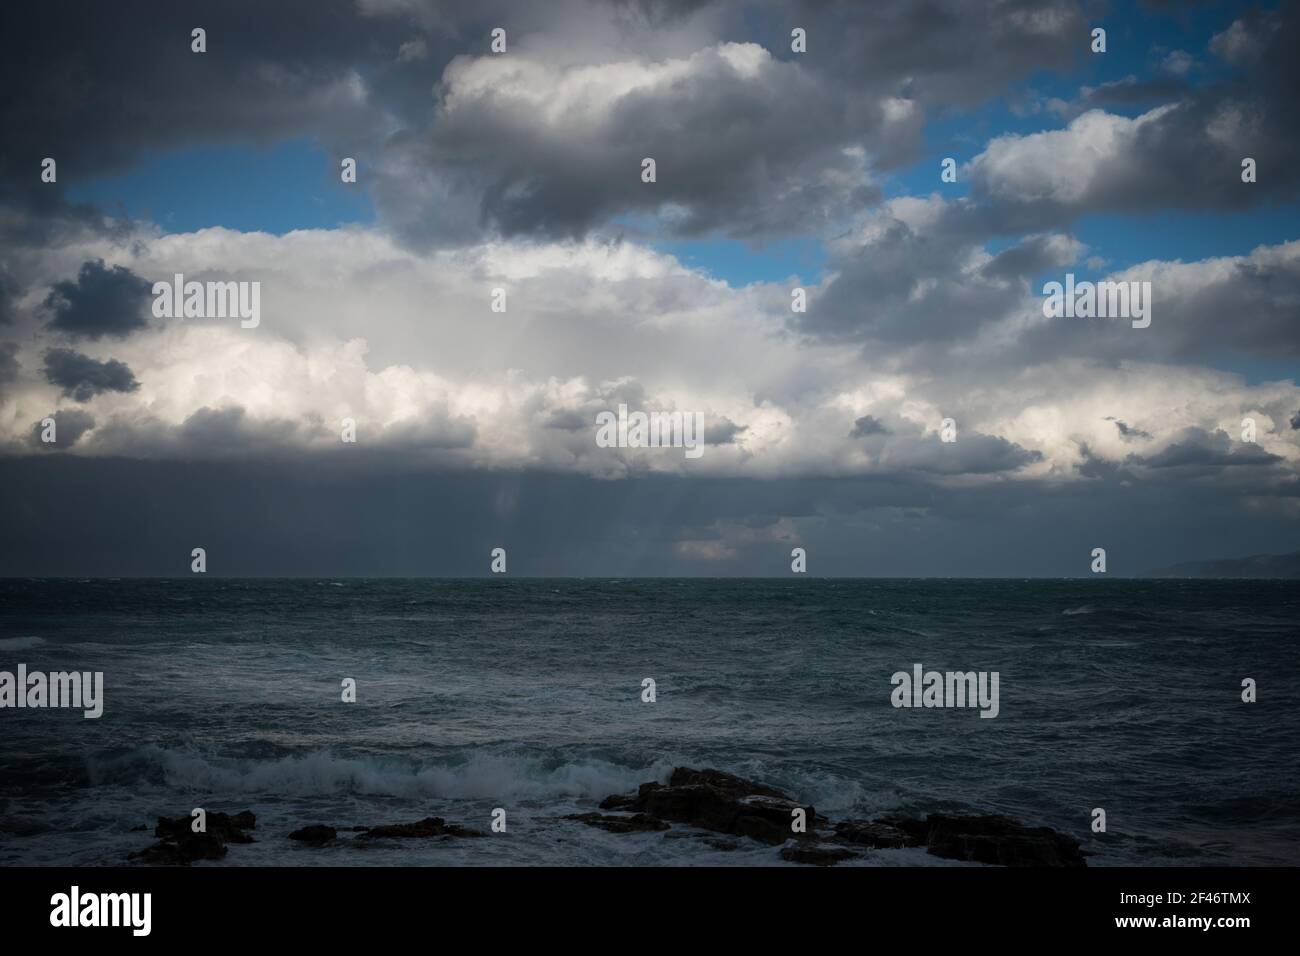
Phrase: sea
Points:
(528, 696)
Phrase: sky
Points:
(486, 176)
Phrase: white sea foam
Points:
(505, 776)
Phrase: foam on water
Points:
(526, 695)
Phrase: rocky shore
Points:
(716, 808)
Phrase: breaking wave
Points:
(480, 775)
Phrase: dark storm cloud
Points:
(749, 155)
(95, 85)
(942, 52)
(83, 377)
(722, 432)
(1132, 91)
(745, 154)
(868, 425)
(790, 144)
(738, 153)
(100, 301)
(1191, 304)
(908, 284)
(569, 420)
(118, 517)
(1028, 257)
(971, 454)
(580, 419)
(913, 285)
(1127, 431)
(230, 432)
(216, 430)
(8, 294)
(69, 425)
(1202, 450)
(8, 365)
(1095, 466)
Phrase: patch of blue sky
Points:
(275, 189)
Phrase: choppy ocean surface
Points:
(526, 694)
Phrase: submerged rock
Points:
(317, 835)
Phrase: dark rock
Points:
(916, 830)
(182, 851)
(636, 823)
(456, 830)
(179, 845)
(228, 828)
(317, 835)
(818, 854)
(713, 800)
(875, 833)
(621, 801)
(990, 838)
(726, 782)
(428, 827)
(727, 804)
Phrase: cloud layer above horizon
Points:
(522, 172)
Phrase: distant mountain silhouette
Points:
(1255, 566)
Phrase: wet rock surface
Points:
(713, 800)
(720, 810)
(990, 838)
(621, 823)
(875, 834)
(315, 835)
(817, 854)
(179, 845)
(421, 829)
(723, 803)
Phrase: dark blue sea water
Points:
(526, 694)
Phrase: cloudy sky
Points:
(522, 171)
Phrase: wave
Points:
(20, 643)
(505, 776)
(1083, 609)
